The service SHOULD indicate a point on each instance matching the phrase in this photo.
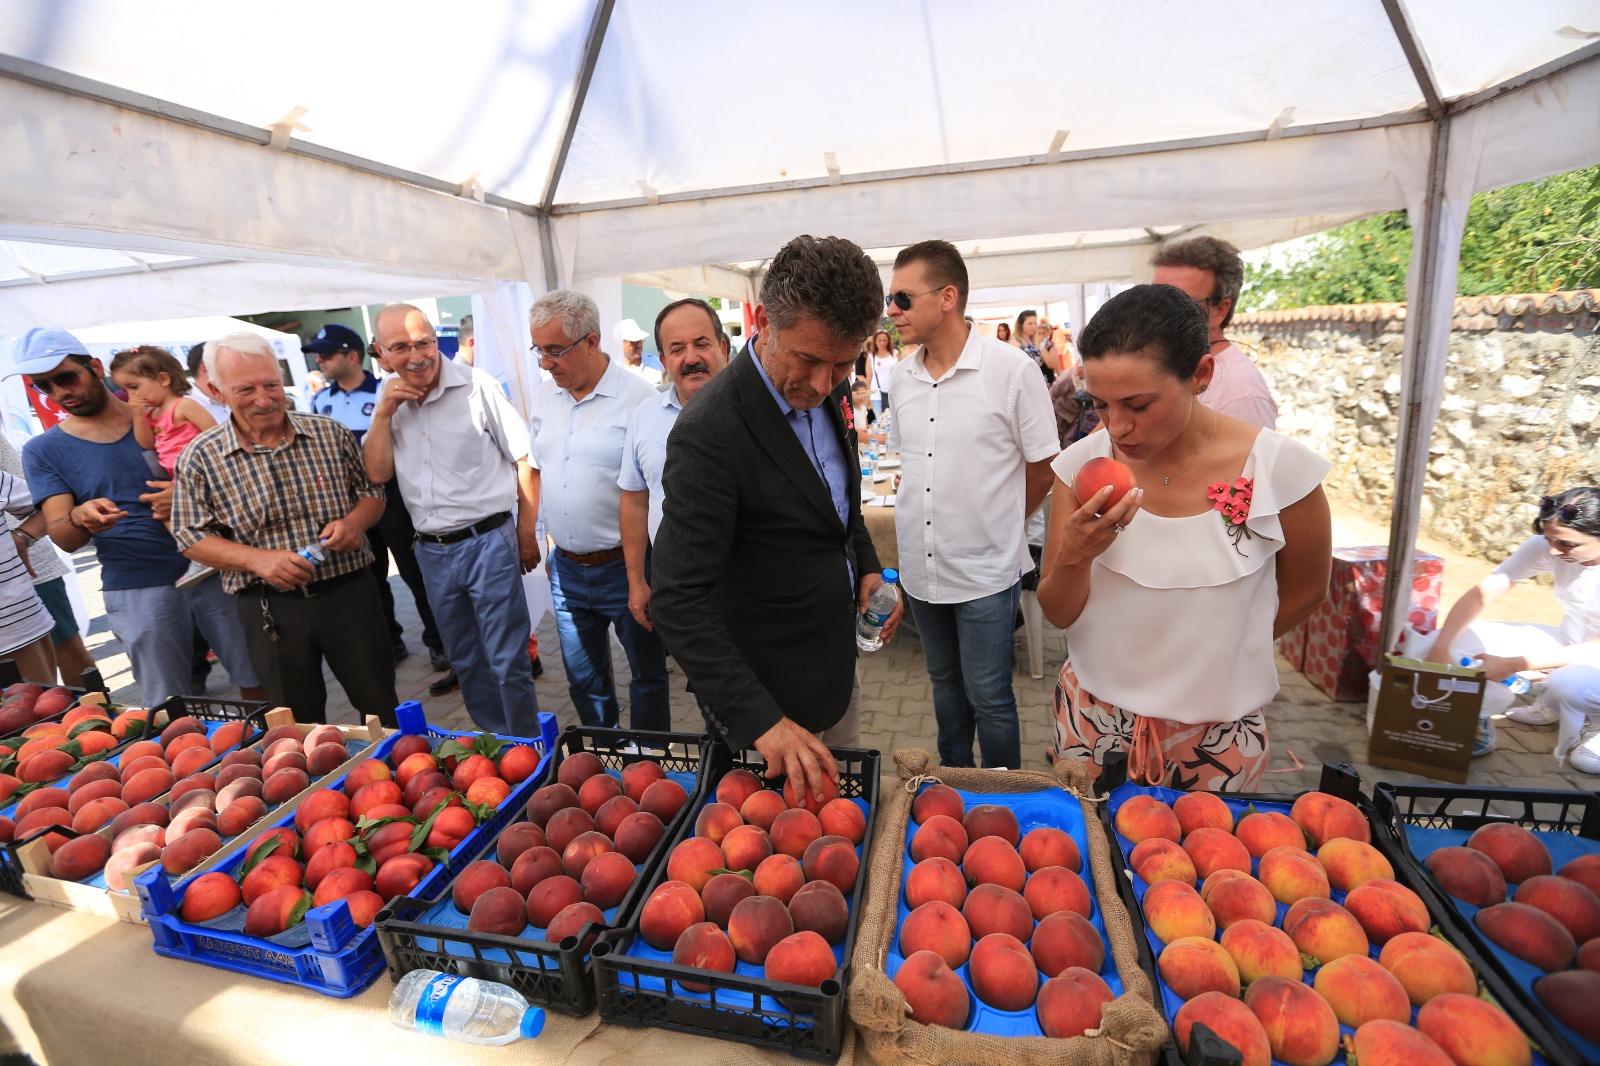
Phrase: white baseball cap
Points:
(628, 330)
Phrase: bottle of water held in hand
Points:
(463, 1009)
(880, 605)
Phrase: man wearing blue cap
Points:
(350, 399)
(94, 482)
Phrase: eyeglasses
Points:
(545, 354)
(1548, 509)
(902, 299)
(64, 380)
(402, 350)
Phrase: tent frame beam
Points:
(1412, 48)
(580, 92)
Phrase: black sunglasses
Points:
(64, 380)
(902, 299)
(1565, 513)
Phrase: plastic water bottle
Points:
(312, 553)
(1516, 682)
(464, 1009)
(880, 605)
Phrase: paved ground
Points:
(1306, 727)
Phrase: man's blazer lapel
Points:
(776, 437)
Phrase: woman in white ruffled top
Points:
(1171, 598)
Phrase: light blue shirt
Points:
(824, 447)
(577, 446)
(644, 453)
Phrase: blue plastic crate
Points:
(327, 953)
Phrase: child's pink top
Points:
(171, 437)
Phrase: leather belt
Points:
(315, 588)
(494, 521)
(610, 555)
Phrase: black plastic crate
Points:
(1418, 818)
(1341, 780)
(556, 976)
(805, 1022)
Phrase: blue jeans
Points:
(968, 647)
(475, 589)
(590, 600)
(156, 624)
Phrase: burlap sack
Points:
(1132, 1029)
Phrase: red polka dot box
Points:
(1341, 639)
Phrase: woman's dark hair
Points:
(1577, 509)
(1002, 326)
(1158, 320)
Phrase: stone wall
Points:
(1520, 416)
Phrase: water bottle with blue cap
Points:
(464, 1009)
(880, 605)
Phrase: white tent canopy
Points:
(571, 142)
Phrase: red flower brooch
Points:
(1234, 503)
(849, 414)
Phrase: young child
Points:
(165, 420)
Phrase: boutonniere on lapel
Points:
(846, 409)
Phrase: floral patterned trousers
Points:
(1206, 757)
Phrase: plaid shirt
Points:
(280, 499)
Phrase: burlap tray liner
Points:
(1132, 1029)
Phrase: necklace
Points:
(1166, 479)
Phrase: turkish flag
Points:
(47, 409)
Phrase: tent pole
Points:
(580, 90)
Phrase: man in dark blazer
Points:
(762, 561)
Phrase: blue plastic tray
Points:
(326, 953)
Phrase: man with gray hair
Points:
(762, 561)
(460, 451)
(279, 501)
(578, 424)
(1212, 273)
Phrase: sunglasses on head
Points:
(63, 380)
(1564, 514)
(902, 299)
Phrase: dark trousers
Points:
(343, 625)
(386, 541)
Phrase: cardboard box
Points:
(1341, 643)
(1426, 718)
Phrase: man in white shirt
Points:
(632, 338)
(579, 421)
(694, 349)
(460, 450)
(1212, 273)
(976, 433)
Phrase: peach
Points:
(571, 920)
(638, 835)
(1160, 859)
(552, 895)
(1202, 810)
(41, 798)
(139, 749)
(1301, 1028)
(517, 838)
(1142, 817)
(637, 777)
(763, 808)
(1565, 900)
(96, 813)
(193, 818)
(745, 847)
(1325, 818)
(327, 803)
(104, 771)
(184, 853)
(694, 862)
(1259, 950)
(335, 856)
(832, 859)
(401, 873)
(1261, 831)
(1389, 1043)
(780, 876)
(450, 826)
(1193, 965)
(843, 818)
(939, 834)
(1230, 1020)
(548, 800)
(672, 908)
(935, 878)
(567, 825)
(533, 866)
(1427, 967)
(371, 796)
(1585, 870)
(1474, 1032)
(992, 820)
(721, 894)
(227, 775)
(470, 770)
(1292, 874)
(326, 758)
(1571, 997)
(389, 840)
(608, 819)
(278, 910)
(478, 877)
(364, 773)
(939, 928)
(1469, 875)
(285, 785)
(1003, 974)
(1519, 854)
(340, 883)
(756, 925)
(1214, 849)
(122, 864)
(274, 870)
(518, 763)
(499, 911)
(937, 799)
(1056, 888)
(1238, 899)
(820, 908)
(664, 799)
(796, 794)
(79, 858)
(1048, 846)
(407, 745)
(1064, 940)
(139, 834)
(583, 849)
(793, 831)
(1349, 862)
(704, 947)
(178, 727)
(934, 994)
(1174, 910)
(1589, 956)
(421, 762)
(997, 909)
(210, 896)
(737, 786)
(1324, 930)
(187, 761)
(284, 760)
(802, 958)
(1386, 909)
(1360, 990)
(595, 791)
(578, 767)
(714, 821)
(1070, 1003)
(1528, 933)
(245, 787)
(432, 797)
(43, 818)
(147, 784)
(990, 860)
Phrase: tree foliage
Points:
(1536, 237)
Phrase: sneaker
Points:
(1483, 743)
(1585, 755)
(445, 684)
(1535, 714)
(193, 576)
(438, 659)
